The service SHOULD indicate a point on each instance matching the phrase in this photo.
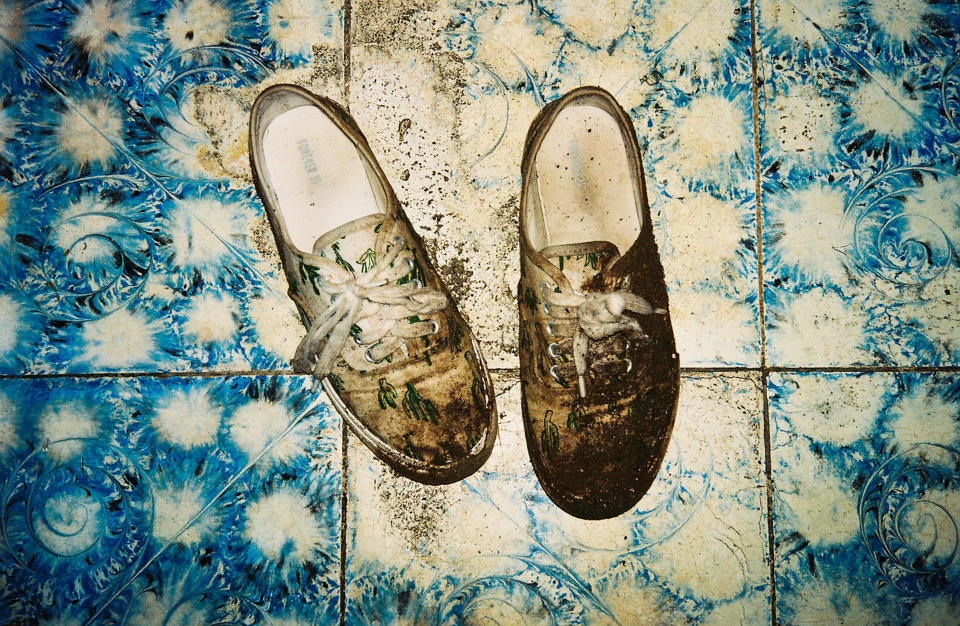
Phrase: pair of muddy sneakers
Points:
(599, 369)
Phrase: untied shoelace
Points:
(597, 316)
(374, 299)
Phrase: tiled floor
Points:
(802, 160)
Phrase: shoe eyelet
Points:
(356, 339)
(416, 282)
(553, 373)
(545, 307)
(436, 327)
(410, 263)
(366, 355)
(629, 365)
(549, 329)
(551, 349)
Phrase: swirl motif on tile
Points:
(93, 264)
(77, 511)
(534, 593)
(950, 95)
(503, 600)
(170, 137)
(664, 511)
(482, 134)
(486, 113)
(906, 521)
(894, 236)
(216, 606)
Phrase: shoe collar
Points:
(530, 208)
(280, 98)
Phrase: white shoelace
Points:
(374, 299)
(598, 315)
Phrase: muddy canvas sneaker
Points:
(598, 364)
(395, 356)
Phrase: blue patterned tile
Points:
(446, 94)
(866, 497)
(859, 161)
(494, 547)
(130, 235)
(143, 500)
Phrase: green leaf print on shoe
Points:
(309, 274)
(575, 418)
(409, 450)
(367, 260)
(530, 299)
(550, 437)
(525, 342)
(387, 396)
(591, 260)
(339, 259)
(476, 389)
(455, 334)
(418, 407)
(472, 438)
(336, 381)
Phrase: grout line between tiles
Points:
(761, 309)
(758, 191)
(718, 369)
(868, 369)
(345, 438)
(347, 22)
(768, 470)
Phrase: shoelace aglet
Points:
(583, 386)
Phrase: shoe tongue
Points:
(582, 261)
(350, 241)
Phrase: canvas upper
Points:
(397, 358)
(599, 368)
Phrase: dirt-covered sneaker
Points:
(598, 364)
(395, 356)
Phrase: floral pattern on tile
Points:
(494, 546)
(866, 497)
(131, 237)
(859, 177)
(150, 500)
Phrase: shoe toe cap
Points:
(598, 462)
(436, 427)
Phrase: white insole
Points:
(586, 191)
(317, 174)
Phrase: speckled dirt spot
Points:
(415, 511)
(263, 242)
(395, 24)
